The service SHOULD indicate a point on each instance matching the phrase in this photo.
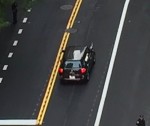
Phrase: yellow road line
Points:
(57, 64)
(74, 13)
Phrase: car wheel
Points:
(94, 60)
(88, 77)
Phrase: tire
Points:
(94, 60)
(87, 77)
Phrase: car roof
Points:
(74, 52)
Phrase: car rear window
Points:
(72, 64)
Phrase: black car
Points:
(77, 63)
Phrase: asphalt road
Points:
(25, 80)
(128, 93)
(76, 105)
(28, 69)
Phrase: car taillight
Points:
(83, 70)
(61, 70)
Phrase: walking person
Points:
(14, 11)
(140, 121)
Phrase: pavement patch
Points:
(66, 7)
(71, 30)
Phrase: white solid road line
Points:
(1, 80)
(15, 122)
(111, 64)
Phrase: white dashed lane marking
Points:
(29, 10)
(15, 43)
(5, 67)
(10, 55)
(20, 31)
(1, 80)
(25, 20)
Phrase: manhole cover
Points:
(66, 7)
(71, 30)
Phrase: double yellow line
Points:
(57, 64)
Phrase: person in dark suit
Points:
(140, 121)
(14, 11)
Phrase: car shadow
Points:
(67, 83)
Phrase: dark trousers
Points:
(14, 17)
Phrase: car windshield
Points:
(72, 64)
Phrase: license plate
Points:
(72, 77)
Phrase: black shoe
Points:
(14, 22)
